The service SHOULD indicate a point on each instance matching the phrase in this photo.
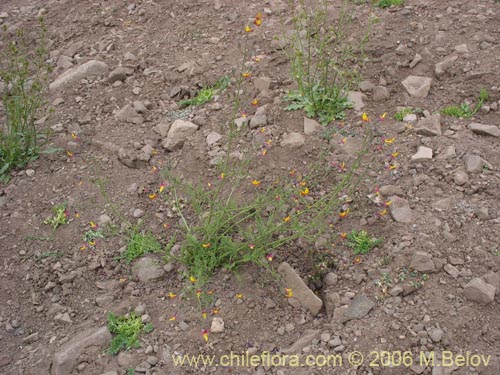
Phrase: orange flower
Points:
(93, 225)
(255, 102)
(255, 182)
(206, 245)
(343, 214)
(215, 311)
(263, 152)
(343, 235)
(162, 187)
(256, 59)
(288, 292)
(357, 260)
(258, 19)
(304, 192)
(204, 334)
(248, 29)
(365, 117)
(152, 196)
(166, 225)
(77, 214)
(172, 318)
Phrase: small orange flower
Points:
(304, 192)
(287, 219)
(343, 235)
(204, 334)
(343, 141)
(74, 136)
(255, 182)
(198, 293)
(365, 117)
(248, 29)
(206, 245)
(154, 169)
(258, 19)
(166, 225)
(256, 59)
(246, 75)
(93, 225)
(172, 318)
(344, 214)
(288, 292)
(264, 152)
(255, 102)
(388, 203)
(77, 214)
(357, 260)
(383, 116)
(215, 311)
(70, 154)
(122, 280)
(152, 196)
(83, 247)
(210, 292)
(162, 187)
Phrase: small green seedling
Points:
(126, 331)
(388, 3)
(92, 235)
(206, 94)
(140, 244)
(361, 242)
(464, 110)
(59, 217)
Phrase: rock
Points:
(451, 270)
(147, 269)
(119, 74)
(381, 93)
(65, 358)
(330, 279)
(473, 164)
(460, 177)
(137, 213)
(491, 130)
(140, 106)
(346, 145)
(89, 69)
(355, 98)
(366, 86)
(415, 60)
(396, 290)
(448, 153)
(130, 115)
(429, 126)
(417, 86)
(31, 338)
(297, 346)
(400, 210)
(258, 121)
(162, 128)
(359, 308)
(442, 67)
(482, 213)
(292, 140)
(311, 126)
(422, 262)
(461, 49)
(423, 154)
(387, 190)
(410, 117)
(217, 325)
(436, 334)
(178, 133)
(110, 373)
(479, 291)
(493, 278)
(300, 291)
(241, 122)
(213, 138)
(263, 83)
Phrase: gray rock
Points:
(381, 93)
(473, 164)
(147, 269)
(241, 122)
(217, 325)
(460, 177)
(359, 308)
(442, 67)
(400, 210)
(346, 145)
(178, 133)
(213, 138)
(436, 334)
(479, 291)
(396, 290)
(137, 213)
(355, 98)
(422, 262)
(118, 74)
(461, 49)
(292, 140)
(417, 86)
(300, 291)
(493, 278)
(91, 68)
(110, 373)
(387, 190)
(482, 213)
(162, 128)
(451, 270)
(415, 60)
(481, 129)
(366, 86)
(302, 342)
(429, 126)
(330, 279)
(258, 121)
(65, 358)
(448, 153)
(130, 115)
(423, 154)
(263, 83)
(311, 126)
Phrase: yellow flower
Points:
(288, 292)
(304, 192)
(152, 196)
(287, 219)
(204, 334)
(258, 19)
(248, 29)
(395, 154)
(70, 154)
(206, 245)
(239, 296)
(246, 75)
(222, 176)
(73, 135)
(162, 187)
(215, 311)
(172, 318)
(198, 293)
(264, 152)
(192, 279)
(365, 117)
(255, 182)
(382, 117)
(389, 141)
(83, 247)
(255, 102)
(91, 243)
(388, 203)
(204, 314)
(172, 295)
(269, 257)
(343, 214)
(343, 235)
(383, 212)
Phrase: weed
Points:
(361, 242)
(206, 94)
(388, 3)
(400, 115)
(322, 264)
(140, 244)
(91, 235)
(39, 238)
(130, 371)
(50, 254)
(24, 74)
(59, 217)
(464, 110)
(126, 330)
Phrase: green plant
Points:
(388, 3)
(361, 242)
(206, 94)
(400, 115)
(140, 244)
(59, 217)
(126, 331)
(24, 75)
(464, 110)
(130, 371)
(91, 235)
(321, 61)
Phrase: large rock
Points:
(479, 291)
(359, 308)
(292, 140)
(417, 86)
(400, 210)
(311, 126)
(473, 163)
(423, 154)
(481, 129)
(89, 69)
(429, 126)
(442, 67)
(147, 269)
(119, 74)
(355, 98)
(178, 133)
(300, 291)
(130, 115)
(422, 262)
(65, 359)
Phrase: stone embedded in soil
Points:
(479, 291)
(118, 74)
(130, 115)
(381, 93)
(292, 140)
(258, 121)
(451, 270)
(448, 153)
(429, 126)
(217, 325)
(346, 145)
(179, 131)
(436, 334)
(442, 67)
(366, 86)
(300, 291)
(460, 177)
(355, 98)
(473, 163)
(461, 49)
(359, 308)
(162, 128)
(89, 69)
(263, 83)
(422, 262)
(303, 341)
(400, 210)
(423, 154)
(417, 86)
(311, 126)
(147, 269)
(213, 138)
(493, 278)
(65, 358)
(481, 129)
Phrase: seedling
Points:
(60, 216)
(388, 3)
(140, 244)
(206, 94)
(126, 330)
(361, 242)
(464, 110)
